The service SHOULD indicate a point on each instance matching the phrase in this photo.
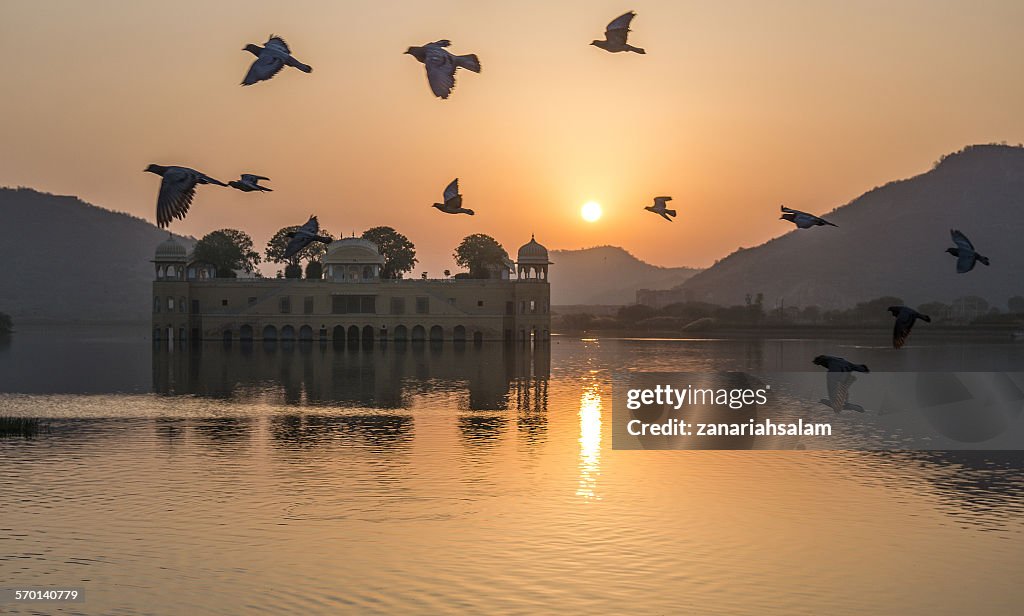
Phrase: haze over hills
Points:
(66, 259)
(891, 241)
(607, 275)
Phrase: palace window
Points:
(354, 304)
(479, 303)
(170, 304)
(286, 305)
(397, 305)
(156, 304)
(533, 306)
(422, 305)
(307, 305)
(223, 302)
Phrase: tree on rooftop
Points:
(228, 250)
(398, 252)
(480, 254)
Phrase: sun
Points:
(591, 211)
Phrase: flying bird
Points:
(905, 318)
(249, 182)
(964, 252)
(177, 190)
(304, 236)
(660, 208)
(441, 65)
(615, 35)
(838, 380)
(270, 59)
(453, 200)
(802, 220)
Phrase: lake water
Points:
(309, 479)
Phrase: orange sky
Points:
(736, 108)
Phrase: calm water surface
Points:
(309, 479)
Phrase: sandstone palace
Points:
(351, 302)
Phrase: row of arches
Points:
(355, 334)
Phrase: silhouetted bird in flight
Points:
(441, 65)
(964, 252)
(838, 380)
(615, 35)
(177, 189)
(905, 318)
(249, 182)
(453, 200)
(802, 220)
(270, 59)
(304, 236)
(660, 209)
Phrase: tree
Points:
(314, 270)
(398, 252)
(6, 325)
(1016, 304)
(228, 250)
(480, 254)
(315, 251)
(634, 312)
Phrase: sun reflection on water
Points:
(590, 442)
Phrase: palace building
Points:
(351, 302)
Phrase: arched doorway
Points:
(419, 334)
(270, 332)
(401, 334)
(368, 336)
(306, 333)
(436, 333)
(338, 333)
(287, 333)
(227, 336)
(353, 335)
(245, 333)
(459, 333)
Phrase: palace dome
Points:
(533, 253)
(353, 250)
(170, 250)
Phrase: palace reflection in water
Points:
(367, 392)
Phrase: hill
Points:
(607, 275)
(891, 241)
(64, 259)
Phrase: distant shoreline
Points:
(807, 332)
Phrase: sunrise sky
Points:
(736, 108)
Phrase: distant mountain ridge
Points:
(607, 275)
(891, 241)
(66, 259)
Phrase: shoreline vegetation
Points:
(968, 316)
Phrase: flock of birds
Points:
(178, 184)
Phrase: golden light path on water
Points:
(590, 442)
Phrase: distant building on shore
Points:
(659, 298)
(351, 302)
